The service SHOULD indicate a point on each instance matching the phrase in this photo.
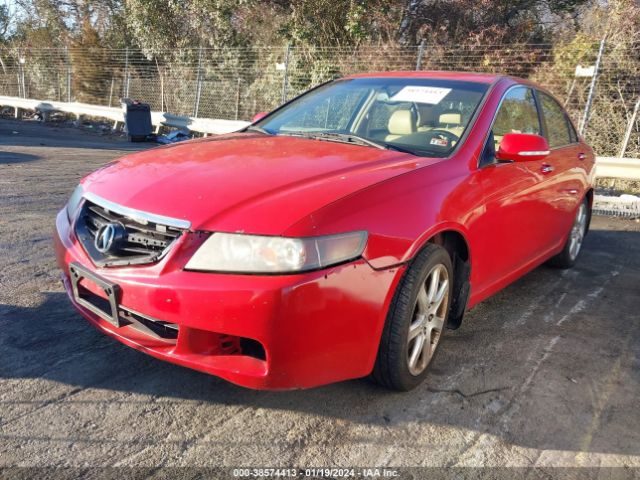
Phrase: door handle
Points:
(581, 156)
(546, 168)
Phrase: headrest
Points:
(400, 123)
(426, 114)
(450, 118)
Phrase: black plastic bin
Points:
(137, 119)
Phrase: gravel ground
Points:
(544, 374)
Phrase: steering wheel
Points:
(452, 137)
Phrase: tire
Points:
(572, 247)
(411, 309)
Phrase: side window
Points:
(559, 130)
(517, 114)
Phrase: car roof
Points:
(487, 78)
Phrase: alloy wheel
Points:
(429, 315)
(578, 231)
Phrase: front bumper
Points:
(315, 328)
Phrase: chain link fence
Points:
(236, 83)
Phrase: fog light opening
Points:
(252, 348)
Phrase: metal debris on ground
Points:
(173, 137)
(626, 206)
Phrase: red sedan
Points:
(334, 238)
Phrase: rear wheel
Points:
(567, 258)
(416, 321)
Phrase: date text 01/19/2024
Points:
(315, 472)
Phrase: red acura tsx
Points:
(335, 237)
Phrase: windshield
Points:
(421, 116)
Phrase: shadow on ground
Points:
(9, 158)
(527, 365)
(15, 133)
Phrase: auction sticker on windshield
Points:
(419, 94)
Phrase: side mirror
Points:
(258, 116)
(522, 147)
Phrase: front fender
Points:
(402, 213)
(434, 230)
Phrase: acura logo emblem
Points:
(108, 236)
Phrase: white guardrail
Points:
(606, 167)
(616, 167)
(116, 114)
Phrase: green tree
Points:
(91, 65)
(169, 24)
(484, 20)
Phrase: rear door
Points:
(565, 186)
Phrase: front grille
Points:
(142, 241)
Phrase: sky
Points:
(13, 8)
(11, 4)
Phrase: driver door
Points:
(514, 217)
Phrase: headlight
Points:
(74, 202)
(230, 252)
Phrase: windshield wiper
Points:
(366, 141)
(353, 139)
(393, 146)
(338, 137)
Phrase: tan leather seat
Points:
(400, 124)
(451, 122)
(450, 119)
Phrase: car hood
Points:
(247, 182)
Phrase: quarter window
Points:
(572, 132)
(559, 131)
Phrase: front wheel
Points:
(567, 257)
(416, 321)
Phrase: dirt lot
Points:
(544, 374)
